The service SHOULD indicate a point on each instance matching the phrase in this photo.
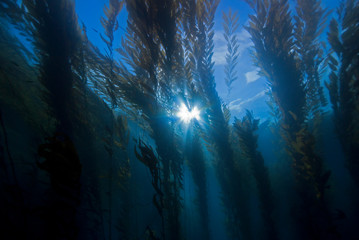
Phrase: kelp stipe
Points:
(148, 157)
(196, 162)
(310, 21)
(199, 26)
(62, 163)
(110, 25)
(245, 129)
(276, 57)
(343, 82)
(153, 51)
(56, 35)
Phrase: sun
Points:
(186, 115)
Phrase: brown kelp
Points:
(230, 26)
(245, 129)
(199, 26)
(148, 157)
(193, 146)
(343, 81)
(271, 29)
(310, 22)
(153, 52)
(62, 163)
(56, 35)
(196, 162)
(110, 25)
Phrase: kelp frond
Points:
(343, 82)
(230, 26)
(56, 35)
(310, 22)
(245, 130)
(274, 41)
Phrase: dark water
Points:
(130, 139)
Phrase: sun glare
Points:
(186, 115)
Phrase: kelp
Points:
(152, 162)
(110, 25)
(310, 22)
(199, 51)
(245, 130)
(62, 163)
(197, 165)
(271, 30)
(55, 34)
(121, 140)
(230, 26)
(193, 148)
(343, 81)
(152, 51)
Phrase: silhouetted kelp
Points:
(153, 50)
(64, 168)
(199, 49)
(63, 87)
(196, 162)
(245, 129)
(343, 81)
(110, 25)
(272, 34)
(230, 27)
(56, 37)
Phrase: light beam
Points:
(186, 115)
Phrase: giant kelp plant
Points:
(230, 26)
(153, 51)
(343, 81)
(200, 49)
(245, 129)
(91, 146)
(272, 34)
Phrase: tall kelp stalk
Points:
(230, 26)
(56, 37)
(153, 51)
(193, 147)
(271, 30)
(121, 140)
(310, 22)
(199, 26)
(197, 165)
(110, 25)
(245, 129)
(343, 82)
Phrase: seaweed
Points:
(196, 162)
(152, 162)
(63, 165)
(152, 51)
(10, 158)
(275, 55)
(310, 23)
(55, 33)
(199, 51)
(343, 81)
(110, 25)
(230, 27)
(245, 129)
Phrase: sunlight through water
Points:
(186, 115)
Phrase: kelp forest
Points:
(128, 138)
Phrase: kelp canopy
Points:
(92, 145)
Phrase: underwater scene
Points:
(179, 119)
